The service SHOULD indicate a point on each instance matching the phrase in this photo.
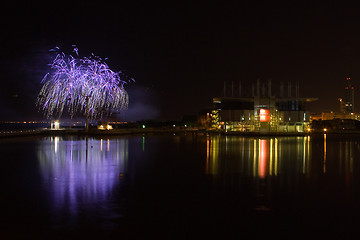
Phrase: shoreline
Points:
(136, 131)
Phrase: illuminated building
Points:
(349, 96)
(345, 119)
(263, 112)
(334, 115)
(104, 126)
(55, 125)
(342, 105)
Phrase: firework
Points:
(81, 85)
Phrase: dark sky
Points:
(181, 53)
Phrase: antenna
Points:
(269, 87)
(224, 89)
(289, 89)
(239, 88)
(232, 88)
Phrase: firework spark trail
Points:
(84, 85)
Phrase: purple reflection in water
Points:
(81, 173)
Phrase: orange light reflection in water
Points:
(324, 164)
(264, 149)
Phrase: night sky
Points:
(181, 53)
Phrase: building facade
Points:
(262, 112)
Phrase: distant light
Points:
(185, 125)
(56, 124)
(173, 125)
(325, 129)
(143, 126)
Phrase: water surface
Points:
(180, 186)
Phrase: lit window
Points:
(264, 115)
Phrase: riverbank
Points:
(91, 132)
(132, 131)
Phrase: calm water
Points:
(179, 187)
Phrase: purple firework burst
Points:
(81, 85)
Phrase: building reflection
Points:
(81, 171)
(258, 157)
(347, 152)
(212, 154)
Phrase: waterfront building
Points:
(262, 112)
